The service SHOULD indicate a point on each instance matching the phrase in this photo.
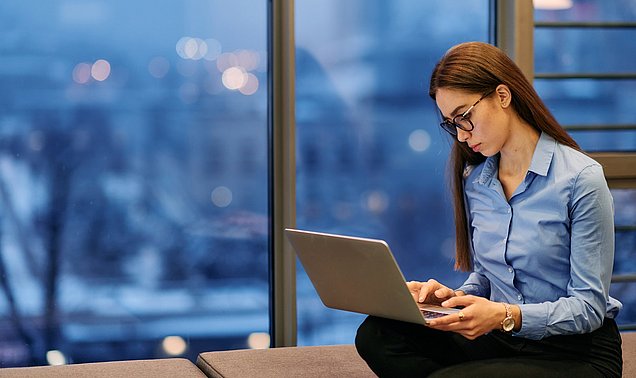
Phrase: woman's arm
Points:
(591, 263)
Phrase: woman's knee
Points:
(375, 335)
(368, 335)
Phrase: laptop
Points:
(359, 275)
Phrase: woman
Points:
(534, 226)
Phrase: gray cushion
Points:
(315, 361)
(161, 368)
(326, 361)
(323, 361)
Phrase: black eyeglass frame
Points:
(451, 126)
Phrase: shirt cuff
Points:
(534, 320)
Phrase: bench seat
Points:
(314, 361)
(160, 368)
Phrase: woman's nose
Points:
(462, 135)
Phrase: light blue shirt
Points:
(550, 248)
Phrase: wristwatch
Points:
(508, 324)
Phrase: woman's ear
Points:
(504, 95)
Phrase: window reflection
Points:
(370, 155)
(132, 179)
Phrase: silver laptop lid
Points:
(355, 274)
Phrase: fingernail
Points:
(444, 303)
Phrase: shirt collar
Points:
(490, 170)
(542, 156)
(540, 163)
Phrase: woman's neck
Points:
(516, 154)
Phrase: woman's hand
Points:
(478, 317)
(431, 291)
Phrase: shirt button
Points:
(510, 269)
(519, 297)
(508, 211)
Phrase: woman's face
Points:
(490, 130)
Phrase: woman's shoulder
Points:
(579, 169)
(570, 161)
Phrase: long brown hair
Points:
(478, 67)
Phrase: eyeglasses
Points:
(462, 121)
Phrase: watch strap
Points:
(508, 316)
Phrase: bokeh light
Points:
(234, 66)
(248, 59)
(55, 358)
(190, 48)
(100, 70)
(552, 4)
(174, 345)
(376, 201)
(419, 140)
(234, 78)
(250, 86)
(158, 67)
(225, 61)
(222, 196)
(258, 340)
(180, 47)
(193, 48)
(82, 73)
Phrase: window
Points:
(133, 179)
(370, 155)
(585, 54)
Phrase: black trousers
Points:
(398, 349)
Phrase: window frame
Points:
(617, 165)
(282, 164)
(282, 170)
(513, 27)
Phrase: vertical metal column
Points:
(282, 171)
(514, 32)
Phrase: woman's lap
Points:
(394, 348)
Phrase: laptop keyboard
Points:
(432, 314)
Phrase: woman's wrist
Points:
(516, 315)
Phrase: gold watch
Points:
(508, 324)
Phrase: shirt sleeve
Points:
(476, 283)
(591, 262)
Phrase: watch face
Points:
(508, 324)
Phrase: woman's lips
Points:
(475, 147)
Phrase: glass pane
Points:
(133, 179)
(589, 102)
(578, 50)
(593, 102)
(585, 10)
(601, 141)
(625, 256)
(371, 157)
